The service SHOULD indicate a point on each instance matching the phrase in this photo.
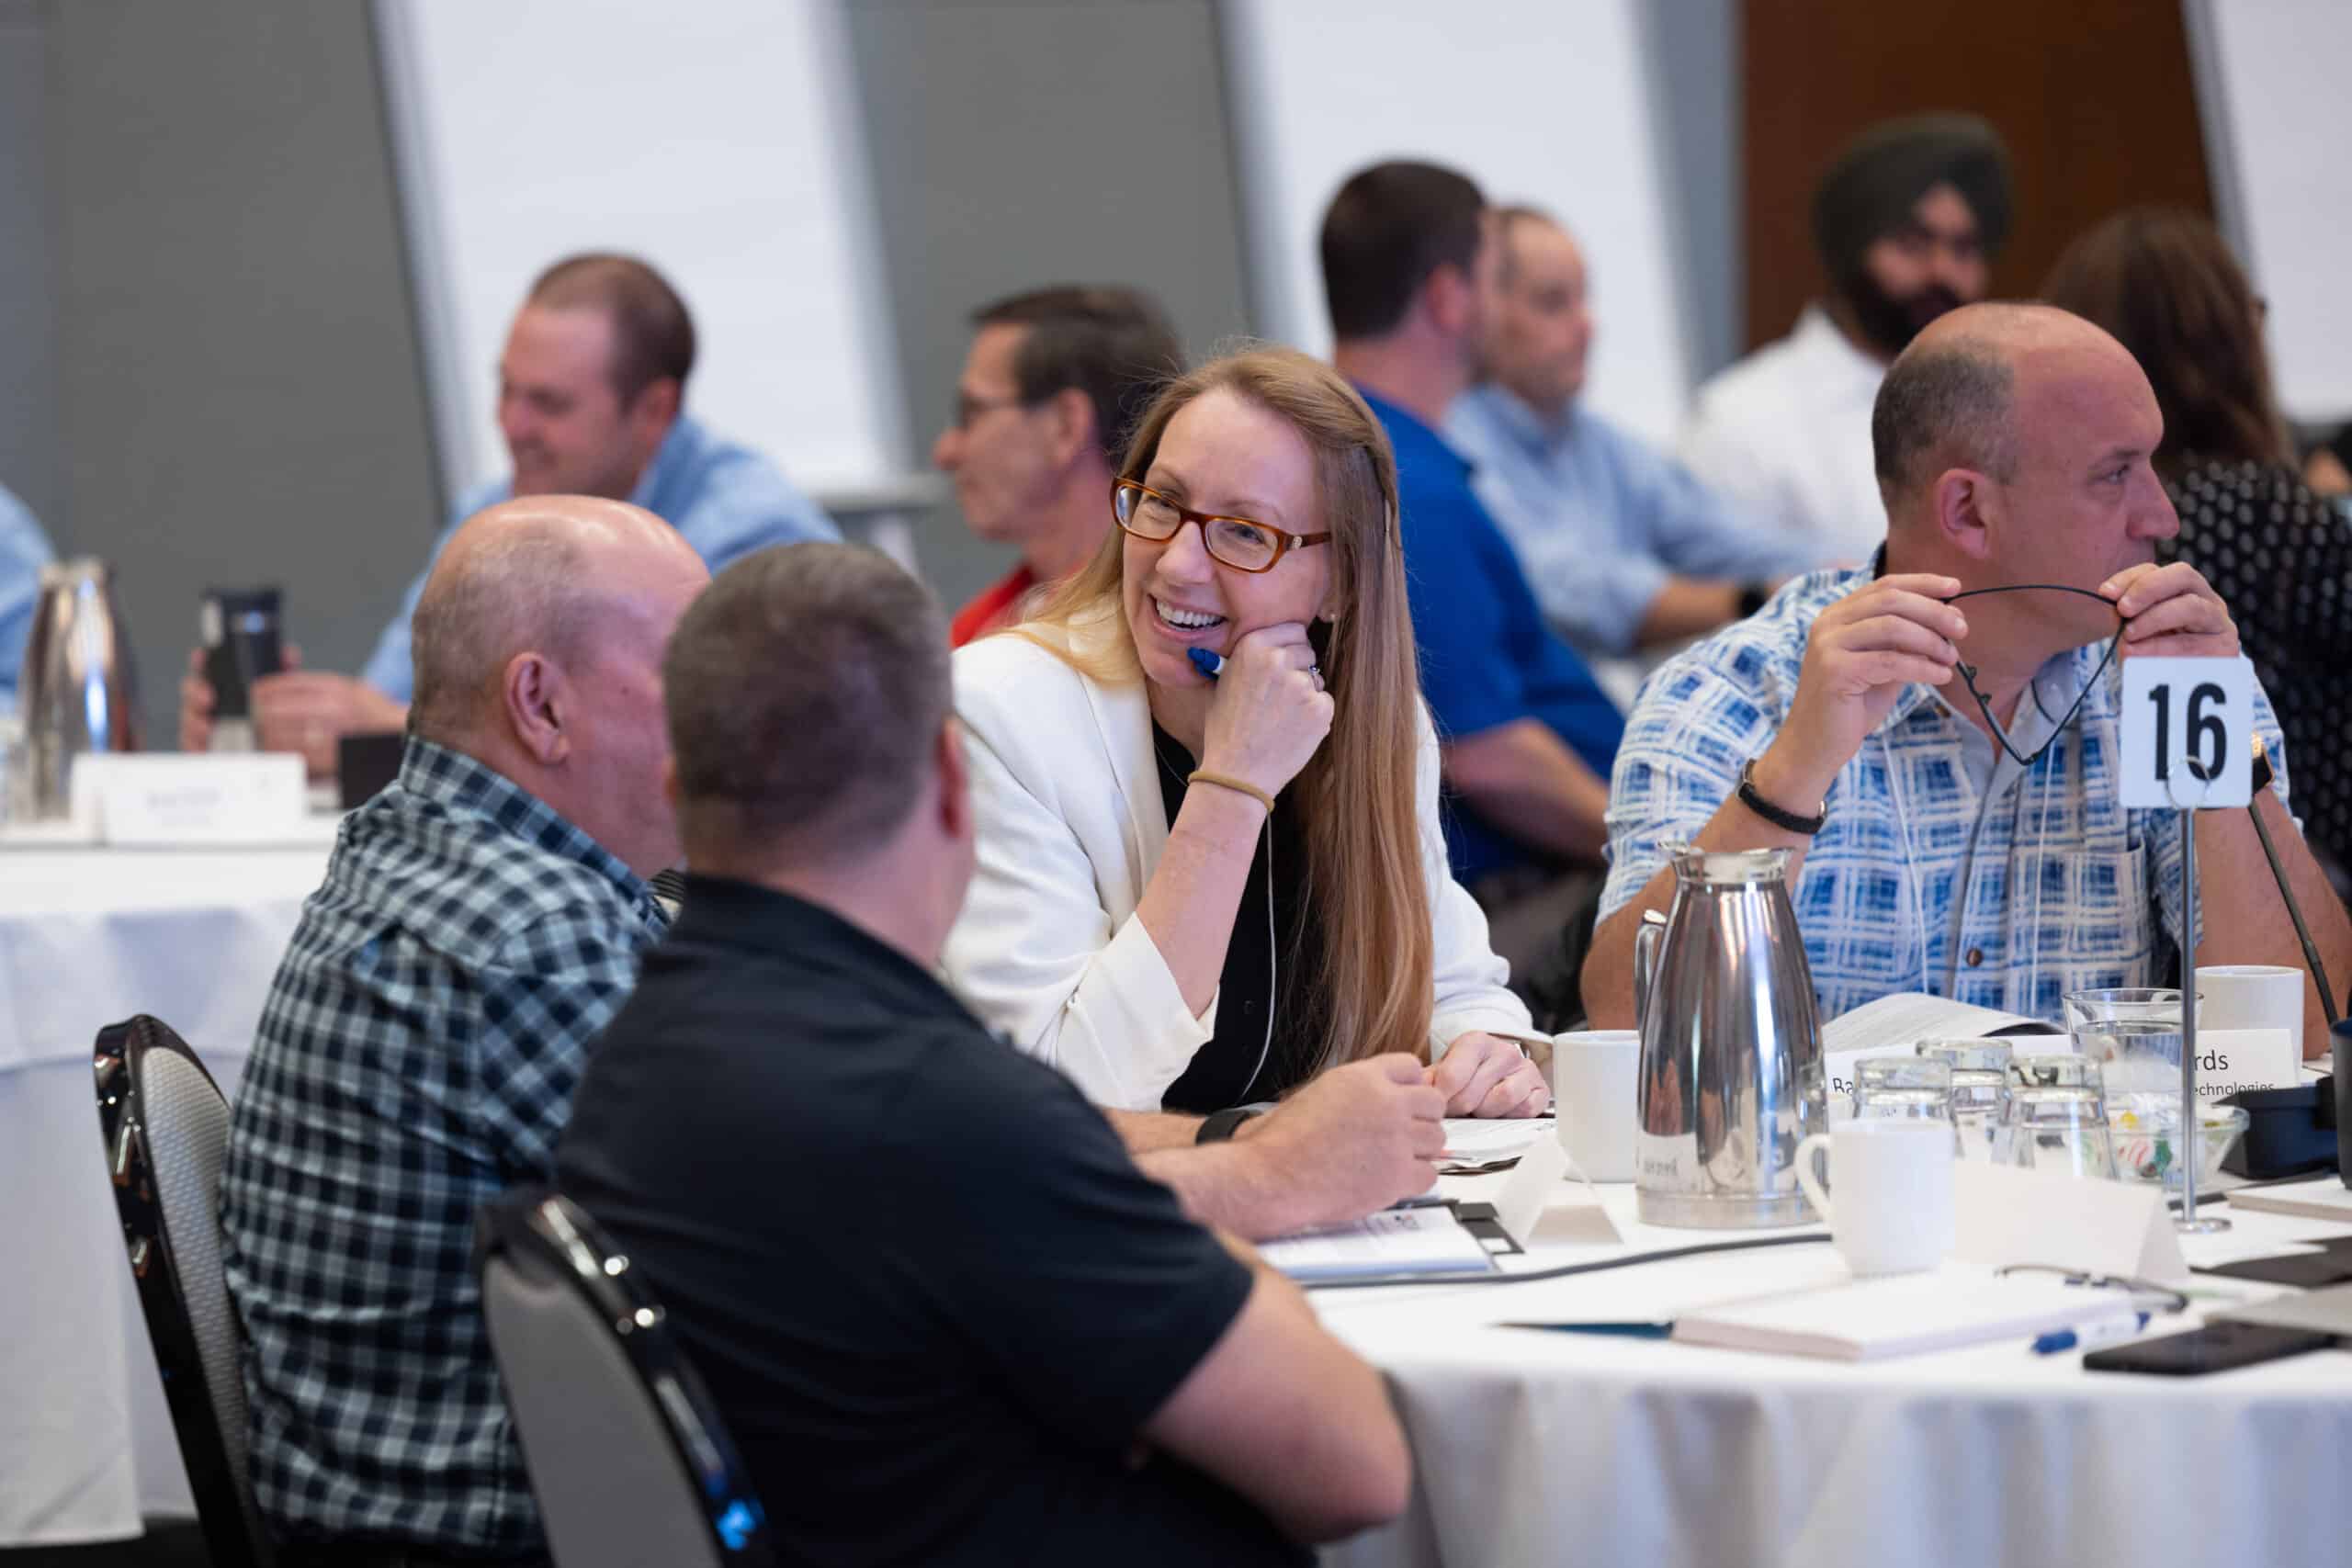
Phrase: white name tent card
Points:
(1533, 1182)
(2231, 1059)
(2186, 732)
(2008, 1214)
(167, 799)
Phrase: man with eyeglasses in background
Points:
(1053, 381)
(1963, 836)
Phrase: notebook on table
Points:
(1902, 1314)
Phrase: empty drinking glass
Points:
(2059, 1129)
(1968, 1056)
(1906, 1089)
(1980, 1101)
(2057, 1071)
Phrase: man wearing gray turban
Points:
(1905, 220)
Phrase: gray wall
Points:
(208, 357)
(27, 353)
(1021, 145)
(238, 392)
(1693, 47)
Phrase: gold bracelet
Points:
(1202, 776)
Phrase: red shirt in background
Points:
(992, 607)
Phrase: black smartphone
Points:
(238, 628)
(2216, 1348)
(2305, 1271)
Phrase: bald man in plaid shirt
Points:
(481, 917)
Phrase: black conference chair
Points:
(165, 1127)
(625, 1449)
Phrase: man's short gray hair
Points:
(805, 687)
(1943, 405)
(520, 590)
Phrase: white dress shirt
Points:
(1786, 434)
(1071, 824)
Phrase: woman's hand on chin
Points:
(1485, 1075)
(1270, 711)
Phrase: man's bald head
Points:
(1953, 399)
(531, 574)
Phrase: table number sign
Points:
(2186, 732)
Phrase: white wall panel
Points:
(718, 140)
(1543, 101)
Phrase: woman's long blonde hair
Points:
(1367, 894)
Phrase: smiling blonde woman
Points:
(1210, 863)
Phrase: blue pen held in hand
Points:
(1208, 663)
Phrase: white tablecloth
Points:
(88, 937)
(1544, 1448)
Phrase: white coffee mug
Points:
(2252, 996)
(1894, 1212)
(1594, 1074)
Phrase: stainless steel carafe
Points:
(1731, 1078)
(77, 693)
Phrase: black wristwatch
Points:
(1752, 596)
(1786, 821)
(1219, 1126)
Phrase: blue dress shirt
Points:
(1486, 657)
(24, 550)
(1600, 519)
(724, 498)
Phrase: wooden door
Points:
(2094, 98)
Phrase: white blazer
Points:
(1071, 824)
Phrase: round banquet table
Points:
(1549, 1448)
(88, 937)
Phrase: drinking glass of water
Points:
(2132, 1033)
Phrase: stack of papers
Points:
(1903, 1315)
(1395, 1241)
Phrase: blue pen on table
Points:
(2090, 1336)
(1634, 1330)
(1207, 661)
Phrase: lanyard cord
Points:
(1985, 703)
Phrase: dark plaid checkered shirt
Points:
(417, 1056)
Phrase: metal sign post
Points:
(2188, 1136)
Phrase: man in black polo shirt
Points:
(945, 1316)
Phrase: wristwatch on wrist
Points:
(1219, 1126)
(1786, 821)
(1752, 596)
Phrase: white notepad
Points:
(1473, 1140)
(1903, 1315)
(2325, 1199)
(1395, 1241)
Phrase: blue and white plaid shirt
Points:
(417, 1056)
(2005, 893)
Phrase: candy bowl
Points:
(2146, 1135)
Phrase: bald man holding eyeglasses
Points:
(1941, 756)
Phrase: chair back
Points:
(165, 1127)
(625, 1448)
